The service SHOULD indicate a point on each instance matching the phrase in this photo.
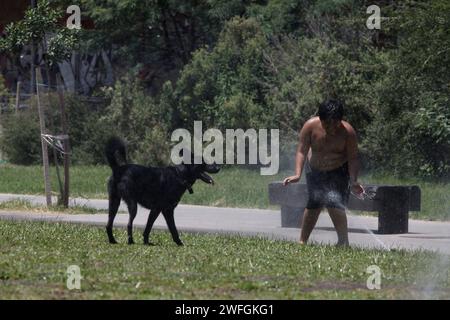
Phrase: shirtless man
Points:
(329, 146)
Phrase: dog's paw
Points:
(179, 243)
(130, 241)
(113, 241)
(149, 244)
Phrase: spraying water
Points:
(431, 280)
(434, 278)
(377, 239)
(335, 197)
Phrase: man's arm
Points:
(352, 155)
(302, 150)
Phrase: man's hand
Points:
(357, 189)
(291, 179)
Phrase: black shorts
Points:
(328, 189)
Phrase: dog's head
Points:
(202, 170)
(193, 171)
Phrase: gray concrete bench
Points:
(393, 204)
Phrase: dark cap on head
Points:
(331, 109)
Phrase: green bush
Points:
(140, 120)
(279, 16)
(3, 90)
(431, 134)
(410, 135)
(222, 86)
(20, 140)
(86, 132)
(412, 143)
(20, 137)
(306, 71)
(130, 114)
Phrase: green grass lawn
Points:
(235, 187)
(24, 205)
(34, 257)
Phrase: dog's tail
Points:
(116, 153)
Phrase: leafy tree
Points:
(412, 127)
(155, 37)
(20, 137)
(40, 26)
(278, 17)
(222, 87)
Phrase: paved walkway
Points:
(254, 222)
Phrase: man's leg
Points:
(309, 221)
(339, 219)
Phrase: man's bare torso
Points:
(327, 151)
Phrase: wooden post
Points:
(66, 142)
(45, 161)
(55, 152)
(18, 96)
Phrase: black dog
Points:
(157, 189)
